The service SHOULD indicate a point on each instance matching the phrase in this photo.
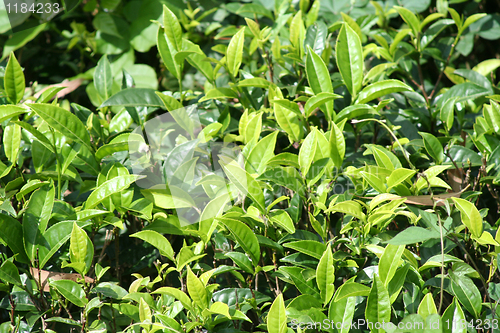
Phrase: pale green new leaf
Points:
(325, 275)
(14, 82)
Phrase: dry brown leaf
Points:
(455, 178)
(69, 87)
(45, 275)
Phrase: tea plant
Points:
(319, 175)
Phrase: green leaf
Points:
(289, 120)
(14, 83)
(312, 248)
(167, 53)
(177, 294)
(80, 248)
(427, 306)
(319, 79)
(36, 218)
(71, 291)
(244, 182)
(350, 59)
(281, 218)
(350, 208)
(257, 82)
(317, 101)
(134, 97)
(173, 29)
(108, 188)
(399, 176)
(196, 290)
(157, 240)
(55, 237)
(9, 273)
(350, 289)
(218, 93)
(389, 262)
(337, 145)
(447, 114)
(234, 52)
(244, 236)
(307, 152)
(467, 293)
(144, 311)
(39, 136)
(12, 142)
(470, 216)
(471, 19)
(433, 147)
(242, 261)
(11, 233)
(276, 319)
(9, 111)
(260, 154)
(378, 306)
(454, 314)
(342, 311)
(410, 19)
(414, 235)
(325, 275)
(103, 78)
(63, 121)
(492, 115)
(381, 88)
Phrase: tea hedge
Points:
(257, 166)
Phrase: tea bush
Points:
(257, 166)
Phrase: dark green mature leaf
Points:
(242, 261)
(244, 236)
(433, 147)
(14, 80)
(11, 232)
(63, 121)
(467, 293)
(71, 291)
(36, 218)
(134, 97)
(9, 273)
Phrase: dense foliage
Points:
(251, 166)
